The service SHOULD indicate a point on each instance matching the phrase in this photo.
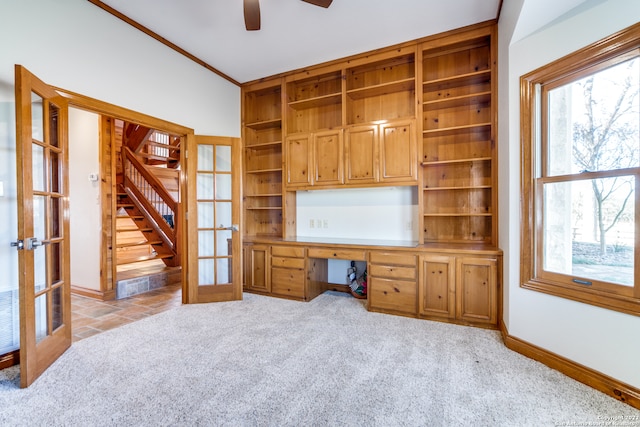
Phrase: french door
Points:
(43, 224)
(214, 263)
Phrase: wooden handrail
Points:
(151, 194)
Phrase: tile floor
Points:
(91, 316)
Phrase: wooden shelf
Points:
(483, 76)
(455, 129)
(264, 195)
(469, 187)
(459, 101)
(267, 124)
(265, 208)
(383, 89)
(263, 145)
(265, 170)
(457, 214)
(447, 162)
(318, 101)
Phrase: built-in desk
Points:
(452, 283)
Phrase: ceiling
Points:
(295, 34)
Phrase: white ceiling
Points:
(295, 34)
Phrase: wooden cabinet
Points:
(419, 114)
(385, 153)
(288, 271)
(458, 120)
(327, 158)
(361, 154)
(314, 159)
(438, 286)
(392, 282)
(298, 160)
(398, 152)
(262, 135)
(459, 288)
(256, 268)
(476, 290)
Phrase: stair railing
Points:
(156, 202)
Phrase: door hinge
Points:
(18, 244)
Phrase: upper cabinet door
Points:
(361, 154)
(298, 160)
(327, 154)
(398, 152)
(43, 224)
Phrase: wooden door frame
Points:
(75, 100)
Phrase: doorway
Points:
(109, 233)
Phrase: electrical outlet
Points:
(409, 226)
(325, 223)
(311, 223)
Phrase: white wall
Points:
(389, 213)
(75, 45)
(603, 340)
(85, 212)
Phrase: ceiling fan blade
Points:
(252, 15)
(321, 3)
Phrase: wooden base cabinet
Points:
(476, 290)
(288, 271)
(392, 282)
(463, 289)
(438, 287)
(256, 268)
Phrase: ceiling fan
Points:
(252, 12)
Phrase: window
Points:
(581, 175)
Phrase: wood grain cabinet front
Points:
(392, 282)
(477, 290)
(382, 153)
(287, 282)
(256, 268)
(463, 289)
(438, 286)
(288, 277)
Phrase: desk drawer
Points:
(393, 258)
(392, 271)
(288, 251)
(348, 254)
(277, 261)
(287, 282)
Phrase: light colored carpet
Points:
(272, 362)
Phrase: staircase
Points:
(137, 237)
(147, 209)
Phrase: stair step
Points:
(126, 229)
(123, 260)
(139, 243)
(133, 217)
(125, 205)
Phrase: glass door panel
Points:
(43, 225)
(215, 176)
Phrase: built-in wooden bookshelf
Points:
(314, 103)
(262, 136)
(421, 114)
(458, 152)
(383, 89)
